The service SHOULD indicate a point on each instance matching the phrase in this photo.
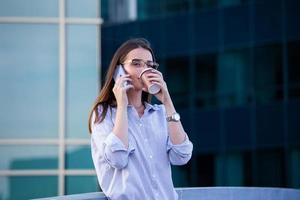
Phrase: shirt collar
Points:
(150, 107)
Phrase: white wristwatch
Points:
(174, 118)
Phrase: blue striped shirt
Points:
(143, 170)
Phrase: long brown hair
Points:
(106, 97)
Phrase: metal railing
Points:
(210, 193)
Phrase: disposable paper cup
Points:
(151, 87)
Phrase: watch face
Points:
(177, 117)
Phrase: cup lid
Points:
(144, 70)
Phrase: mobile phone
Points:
(120, 72)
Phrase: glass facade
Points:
(49, 61)
(232, 68)
(31, 91)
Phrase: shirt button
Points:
(153, 176)
(150, 156)
(146, 140)
(141, 124)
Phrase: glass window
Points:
(292, 19)
(206, 80)
(236, 18)
(29, 8)
(226, 3)
(294, 69)
(270, 124)
(205, 165)
(79, 157)
(82, 8)
(205, 4)
(268, 73)
(268, 21)
(180, 175)
(231, 169)
(81, 184)
(293, 110)
(270, 168)
(28, 157)
(237, 127)
(175, 6)
(28, 80)
(104, 10)
(234, 75)
(28, 187)
(294, 172)
(177, 78)
(148, 9)
(82, 77)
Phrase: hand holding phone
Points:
(120, 72)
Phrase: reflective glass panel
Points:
(28, 80)
(29, 8)
(28, 157)
(79, 157)
(82, 8)
(28, 187)
(82, 77)
(81, 184)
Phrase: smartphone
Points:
(120, 72)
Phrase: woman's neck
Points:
(134, 98)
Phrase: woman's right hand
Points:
(120, 91)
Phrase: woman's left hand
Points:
(157, 78)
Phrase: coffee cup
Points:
(151, 87)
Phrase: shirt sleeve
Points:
(179, 154)
(106, 147)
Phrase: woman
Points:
(133, 142)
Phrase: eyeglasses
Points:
(138, 63)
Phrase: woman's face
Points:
(135, 68)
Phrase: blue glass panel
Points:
(153, 30)
(237, 128)
(28, 81)
(268, 21)
(270, 168)
(81, 184)
(294, 166)
(206, 31)
(28, 157)
(82, 77)
(293, 110)
(176, 44)
(236, 26)
(292, 19)
(234, 78)
(79, 157)
(109, 42)
(82, 8)
(29, 8)
(268, 69)
(28, 187)
(206, 135)
(269, 125)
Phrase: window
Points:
(268, 73)
(234, 78)
(206, 80)
(294, 69)
(177, 78)
(270, 168)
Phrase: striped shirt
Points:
(143, 170)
